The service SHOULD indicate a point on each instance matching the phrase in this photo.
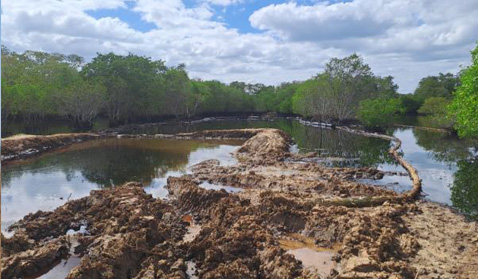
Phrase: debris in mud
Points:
(275, 227)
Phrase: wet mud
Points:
(25, 146)
(278, 226)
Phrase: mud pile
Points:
(255, 233)
(24, 146)
(123, 225)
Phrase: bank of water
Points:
(448, 166)
(48, 181)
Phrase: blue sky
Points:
(235, 16)
(254, 40)
(125, 14)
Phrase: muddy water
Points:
(320, 262)
(45, 182)
(317, 259)
(446, 164)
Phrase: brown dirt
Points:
(249, 234)
(24, 146)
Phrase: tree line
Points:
(38, 85)
(130, 88)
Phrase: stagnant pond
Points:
(448, 166)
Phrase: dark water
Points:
(448, 166)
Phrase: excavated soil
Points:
(289, 209)
(24, 146)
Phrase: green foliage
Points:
(336, 93)
(30, 81)
(378, 113)
(434, 105)
(410, 103)
(82, 101)
(465, 102)
(128, 81)
(128, 88)
(442, 85)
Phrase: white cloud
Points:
(223, 2)
(406, 39)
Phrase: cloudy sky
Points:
(254, 40)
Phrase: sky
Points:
(256, 41)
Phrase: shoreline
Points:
(240, 233)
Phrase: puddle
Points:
(81, 230)
(229, 189)
(191, 270)
(317, 259)
(294, 149)
(62, 269)
(193, 229)
(319, 262)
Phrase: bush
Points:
(436, 109)
(434, 106)
(465, 103)
(410, 103)
(379, 113)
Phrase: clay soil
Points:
(252, 233)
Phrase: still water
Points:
(448, 166)
(45, 182)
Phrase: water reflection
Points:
(447, 165)
(464, 192)
(326, 142)
(48, 181)
(460, 158)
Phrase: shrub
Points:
(379, 113)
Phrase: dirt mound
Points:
(221, 134)
(33, 262)
(123, 224)
(268, 142)
(233, 241)
(24, 146)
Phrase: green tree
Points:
(336, 93)
(82, 102)
(177, 91)
(284, 94)
(30, 81)
(378, 113)
(410, 103)
(436, 109)
(464, 106)
(314, 98)
(442, 85)
(128, 81)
